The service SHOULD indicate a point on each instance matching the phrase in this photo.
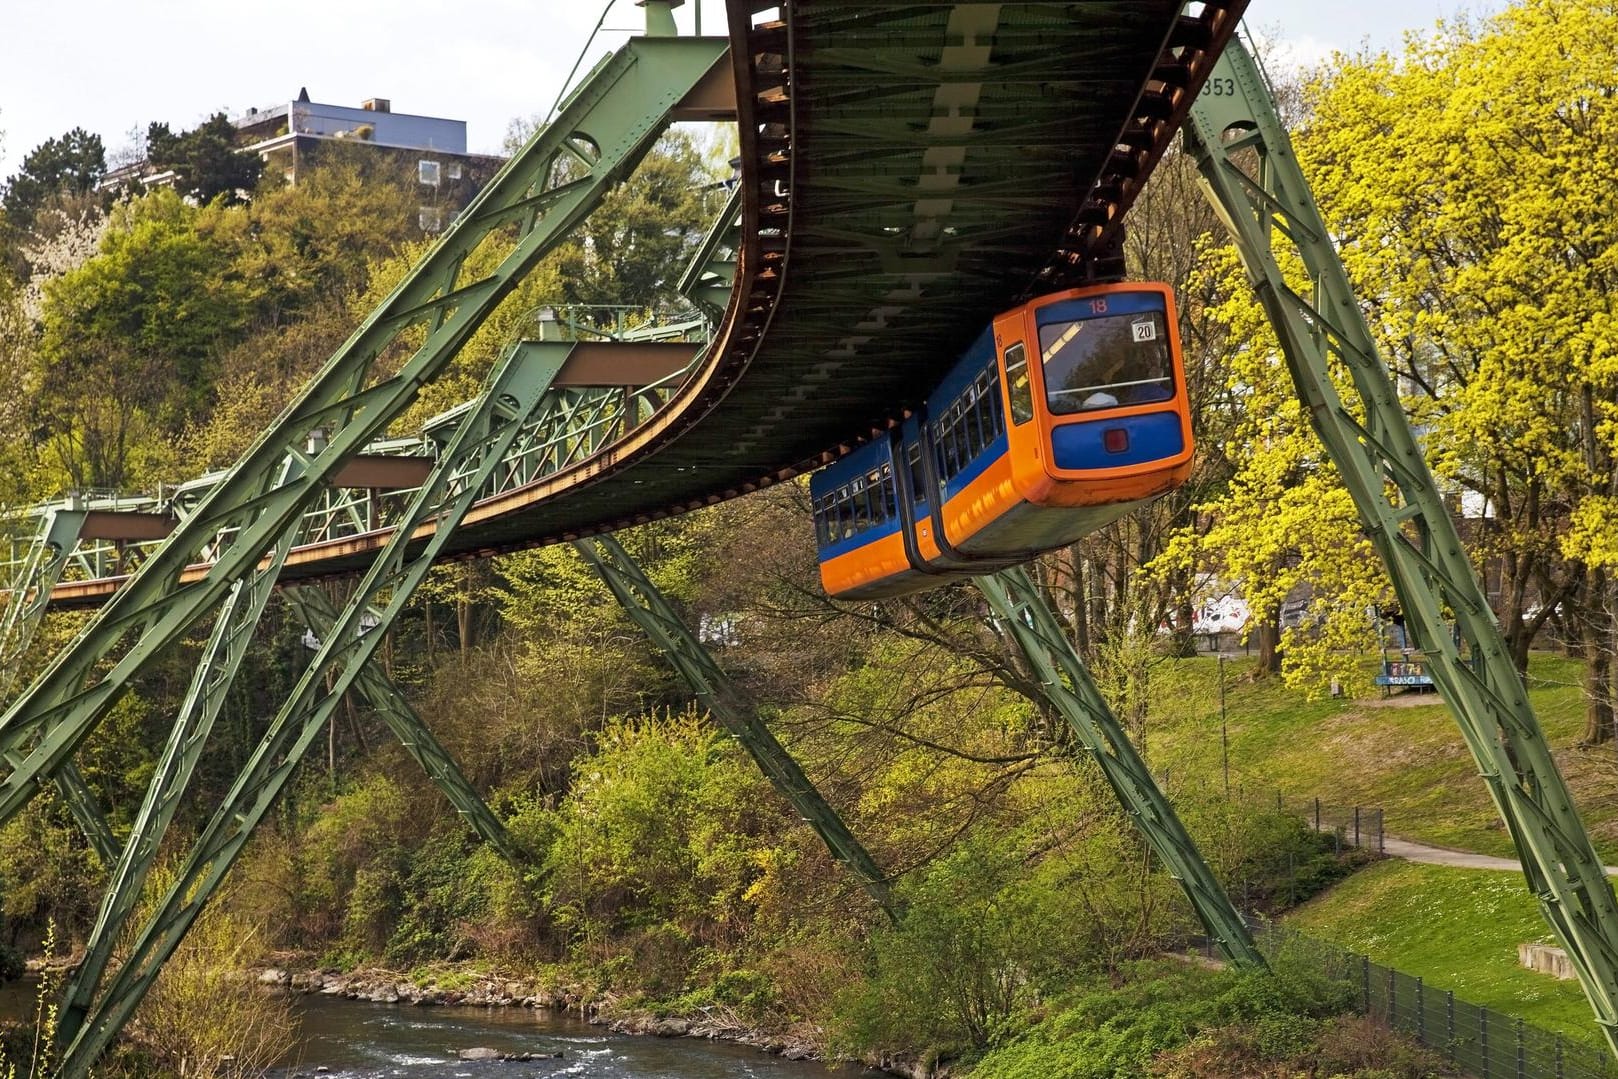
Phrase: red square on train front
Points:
(1115, 440)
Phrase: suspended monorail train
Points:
(1066, 413)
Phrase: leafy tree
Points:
(632, 248)
(1456, 180)
(69, 164)
(130, 339)
(205, 159)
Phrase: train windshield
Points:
(1107, 362)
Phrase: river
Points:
(358, 1040)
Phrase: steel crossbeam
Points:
(483, 435)
(1381, 463)
(728, 705)
(604, 128)
(1022, 614)
(81, 802)
(320, 616)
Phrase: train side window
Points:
(969, 423)
(918, 478)
(1020, 391)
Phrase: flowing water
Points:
(355, 1040)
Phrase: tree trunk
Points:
(1081, 608)
(463, 620)
(1269, 645)
(1597, 638)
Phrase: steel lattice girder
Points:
(221, 659)
(1021, 613)
(607, 125)
(729, 707)
(1411, 530)
(480, 441)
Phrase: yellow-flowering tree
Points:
(1467, 184)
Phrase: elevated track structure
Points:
(907, 170)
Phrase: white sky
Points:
(115, 65)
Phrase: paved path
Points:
(1418, 852)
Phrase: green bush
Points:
(1149, 1024)
(984, 936)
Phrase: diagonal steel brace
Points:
(725, 701)
(1250, 174)
(1021, 613)
(317, 612)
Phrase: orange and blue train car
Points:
(1066, 413)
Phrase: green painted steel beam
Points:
(205, 696)
(81, 802)
(1022, 614)
(728, 705)
(1253, 180)
(533, 203)
(711, 272)
(482, 436)
(402, 719)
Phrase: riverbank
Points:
(453, 987)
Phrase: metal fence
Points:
(1352, 826)
(1477, 1041)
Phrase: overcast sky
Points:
(113, 66)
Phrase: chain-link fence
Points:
(1477, 1041)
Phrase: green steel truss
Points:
(221, 659)
(535, 200)
(482, 436)
(729, 707)
(711, 273)
(1253, 179)
(1022, 614)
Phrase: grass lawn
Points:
(1403, 754)
(1456, 928)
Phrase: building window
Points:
(429, 218)
(453, 170)
(427, 172)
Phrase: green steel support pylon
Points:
(26, 599)
(1022, 613)
(536, 200)
(406, 724)
(221, 659)
(725, 701)
(483, 435)
(1253, 179)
